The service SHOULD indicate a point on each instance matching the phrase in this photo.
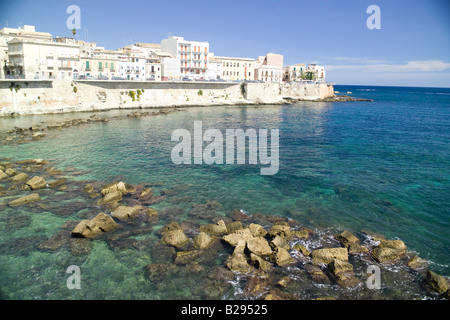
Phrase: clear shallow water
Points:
(382, 166)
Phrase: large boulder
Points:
(259, 246)
(416, 263)
(94, 227)
(238, 262)
(233, 238)
(347, 237)
(20, 177)
(175, 238)
(282, 257)
(217, 229)
(281, 230)
(280, 243)
(389, 250)
(36, 183)
(123, 188)
(260, 263)
(327, 255)
(203, 241)
(3, 175)
(24, 200)
(436, 282)
(113, 196)
(257, 230)
(343, 273)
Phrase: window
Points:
(87, 64)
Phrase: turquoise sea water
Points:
(382, 166)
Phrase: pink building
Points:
(269, 68)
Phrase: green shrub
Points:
(200, 92)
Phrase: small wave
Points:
(365, 89)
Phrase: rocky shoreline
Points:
(335, 98)
(265, 256)
(35, 132)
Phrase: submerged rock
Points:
(24, 200)
(185, 257)
(125, 213)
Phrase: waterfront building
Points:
(193, 56)
(101, 64)
(294, 72)
(170, 67)
(237, 69)
(7, 34)
(269, 68)
(318, 72)
(214, 71)
(42, 59)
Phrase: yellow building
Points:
(237, 68)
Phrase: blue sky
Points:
(412, 48)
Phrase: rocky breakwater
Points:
(274, 258)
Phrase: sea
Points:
(380, 165)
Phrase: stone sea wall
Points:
(53, 96)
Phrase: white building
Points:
(37, 59)
(294, 72)
(132, 68)
(170, 68)
(7, 34)
(215, 69)
(317, 71)
(193, 56)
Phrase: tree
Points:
(74, 32)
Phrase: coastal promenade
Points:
(26, 96)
